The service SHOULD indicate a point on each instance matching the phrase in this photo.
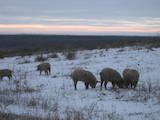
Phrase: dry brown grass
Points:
(11, 116)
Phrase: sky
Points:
(80, 17)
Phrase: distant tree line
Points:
(27, 44)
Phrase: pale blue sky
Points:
(106, 13)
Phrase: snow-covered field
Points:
(43, 95)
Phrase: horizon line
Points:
(109, 35)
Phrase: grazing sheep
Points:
(130, 77)
(5, 73)
(111, 75)
(85, 76)
(46, 67)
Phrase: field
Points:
(54, 97)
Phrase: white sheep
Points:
(5, 73)
(85, 76)
(130, 77)
(111, 75)
(46, 67)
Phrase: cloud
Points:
(86, 16)
(76, 26)
(54, 29)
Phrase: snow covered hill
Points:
(40, 95)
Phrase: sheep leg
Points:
(45, 72)
(113, 84)
(9, 77)
(101, 84)
(87, 85)
(49, 70)
(126, 84)
(131, 85)
(105, 85)
(134, 85)
(75, 85)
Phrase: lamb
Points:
(130, 77)
(85, 76)
(46, 67)
(111, 75)
(5, 73)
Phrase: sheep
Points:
(130, 77)
(85, 76)
(46, 67)
(5, 73)
(111, 75)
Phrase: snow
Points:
(59, 87)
